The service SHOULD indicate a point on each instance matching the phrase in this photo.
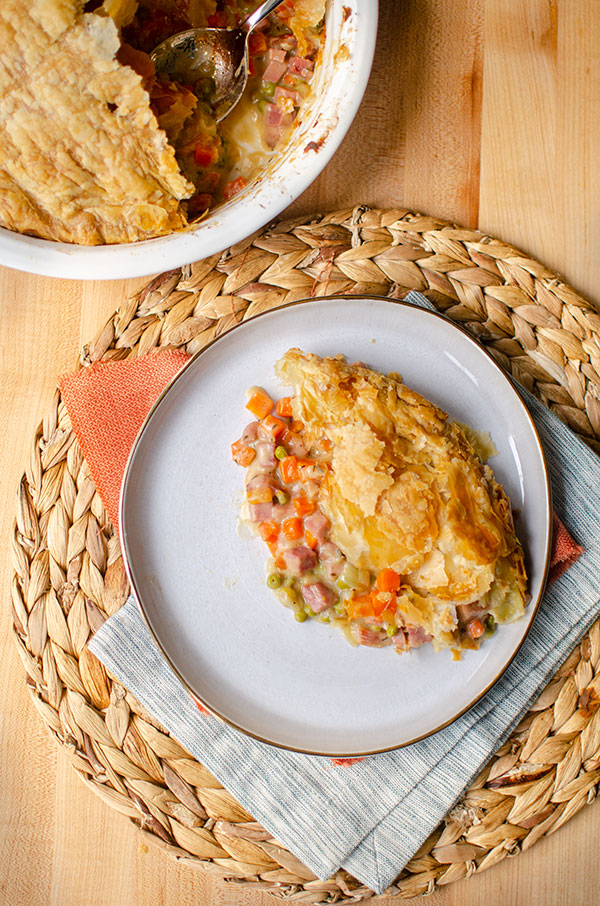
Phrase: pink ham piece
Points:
(318, 597)
(300, 560)
(417, 636)
(317, 524)
(287, 93)
(300, 66)
(276, 65)
(332, 559)
(250, 433)
(261, 481)
(283, 511)
(260, 512)
(265, 454)
(276, 121)
(370, 637)
(466, 612)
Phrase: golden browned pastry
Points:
(97, 147)
(404, 490)
(82, 158)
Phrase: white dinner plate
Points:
(200, 579)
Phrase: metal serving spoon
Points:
(213, 60)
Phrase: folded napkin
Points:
(368, 815)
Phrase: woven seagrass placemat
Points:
(69, 572)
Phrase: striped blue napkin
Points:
(370, 818)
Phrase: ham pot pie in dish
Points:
(97, 150)
(379, 512)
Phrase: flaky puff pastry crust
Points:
(405, 489)
(82, 158)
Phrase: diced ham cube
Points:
(274, 72)
(370, 637)
(300, 560)
(417, 636)
(273, 115)
(250, 433)
(265, 454)
(283, 511)
(318, 597)
(281, 93)
(276, 121)
(400, 640)
(301, 66)
(276, 65)
(317, 524)
(260, 512)
(466, 612)
(332, 559)
(260, 481)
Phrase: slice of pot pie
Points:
(97, 149)
(378, 513)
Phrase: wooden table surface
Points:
(486, 112)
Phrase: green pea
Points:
(280, 452)
(392, 630)
(300, 616)
(339, 608)
(268, 89)
(309, 611)
(490, 625)
(274, 580)
(282, 496)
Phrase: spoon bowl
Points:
(211, 61)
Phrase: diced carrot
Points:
(297, 426)
(242, 453)
(289, 469)
(259, 403)
(388, 580)
(260, 495)
(205, 155)
(360, 606)
(273, 425)
(380, 601)
(269, 531)
(303, 506)
(325, 443)
(257, 43)
(311, 540)
(232, 188)
(475, 628)
(284, 407)
(280, 563)
(292, 528)
(217, 20)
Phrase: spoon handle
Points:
(259, 14)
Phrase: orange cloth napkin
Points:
(109, 401)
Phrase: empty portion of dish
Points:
(97, 150)
(379, 515)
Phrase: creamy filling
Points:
(306, 570)
(220, 160)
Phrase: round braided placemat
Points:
(69, 572)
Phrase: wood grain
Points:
(487, 112)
